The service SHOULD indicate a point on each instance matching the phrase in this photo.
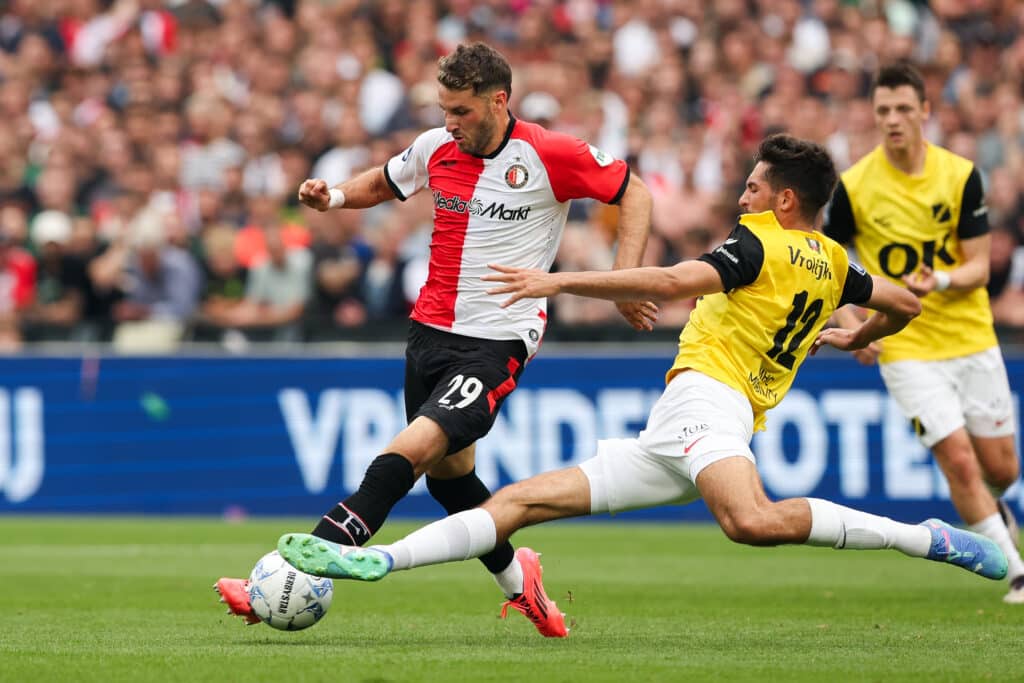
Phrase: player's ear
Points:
(926, 110)
(787, 200)
(499, 99)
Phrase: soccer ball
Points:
(285, 598)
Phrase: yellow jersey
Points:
(896, 222)
(780, 286)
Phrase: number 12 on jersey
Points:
(800, 313)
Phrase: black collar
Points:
(504, 140)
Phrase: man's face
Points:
(758, 195)
(471, 119)
(899, 115)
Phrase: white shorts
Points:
(695, 422)
(941, 396)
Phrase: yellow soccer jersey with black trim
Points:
(780, 286)
(896, 222)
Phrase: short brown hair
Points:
(801, 165)
(897, 74)
(477, 66)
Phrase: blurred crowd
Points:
(152, 150)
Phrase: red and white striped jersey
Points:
(510, 208)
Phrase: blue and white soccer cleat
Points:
(966, 549)
(316, 556)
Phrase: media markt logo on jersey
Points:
(516, 176)
(475, 207)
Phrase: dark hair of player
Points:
(477, 66)
(897, 74)
(803, 166)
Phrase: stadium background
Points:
(157, 361)
(289, 436)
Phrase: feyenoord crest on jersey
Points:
(516, 176)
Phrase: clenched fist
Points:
(315, 194)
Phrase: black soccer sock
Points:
(465, 493)
(354, 520)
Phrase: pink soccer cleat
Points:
(234, 594)
(533, 602)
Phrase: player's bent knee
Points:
(513, 496)
(746, 526)
(423, 443)
(961, 468)
(958, 462)
(506, 494)
(510, 505)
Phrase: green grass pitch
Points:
(125, 600)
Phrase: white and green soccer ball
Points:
(285, 598)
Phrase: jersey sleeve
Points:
(973, 210)
(858, 286)
(406, 173)
(577, 170)
(738, 260)
(839, 223)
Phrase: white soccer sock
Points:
(994, 527)
(510, 579)
(841, 527)
(467, 534)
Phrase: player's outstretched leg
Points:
(319, 557)
(233, 593)
(966, 549)
(533, 602)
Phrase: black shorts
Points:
(459, 382)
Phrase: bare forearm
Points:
(974, 270)
(847, 317)
(880, 325)
(660, 284)
(969, 276)
(367, 189)
(634, 224)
